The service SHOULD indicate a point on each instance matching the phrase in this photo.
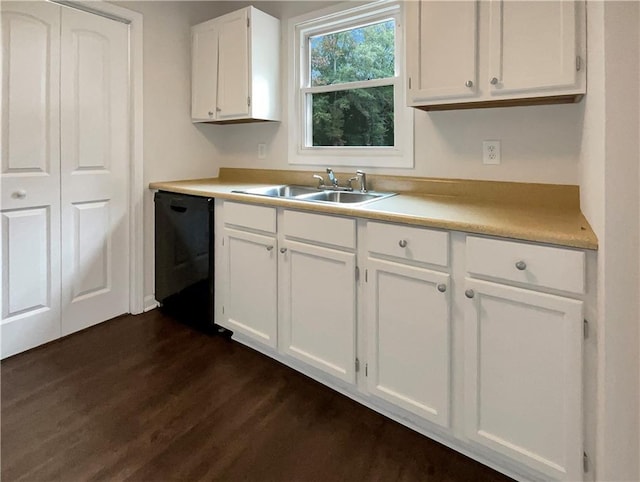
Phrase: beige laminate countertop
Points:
(454, 209)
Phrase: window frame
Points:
(335, 19)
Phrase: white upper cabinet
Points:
(495, 53)
(436, 72)
(234, 77)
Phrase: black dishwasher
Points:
(184, 258)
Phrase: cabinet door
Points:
(523, 368)
(441, 50)
(251, 298)
(408, 359)
(533, 47)
(319, 307)
(233, 66)
(204, 77)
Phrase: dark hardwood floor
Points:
(144, 398)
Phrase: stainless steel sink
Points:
(345, 197)
(280, 191)
(312, 194)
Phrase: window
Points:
(348, 107)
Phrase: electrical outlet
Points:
(262, 151)
(491, 152)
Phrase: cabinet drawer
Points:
(544, 266)
(410, 243)
(320, 228)
(261, 218)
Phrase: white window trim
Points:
(399, 156)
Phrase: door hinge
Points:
(409, 83)
(357, 274)
(578, 63)
(223, 310)
(357, 365)
(249, 101)
(585, 462)
(366, 369)
(585, 328)
(366, 275)
(222, 241)
(248, 22)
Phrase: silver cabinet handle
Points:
(269, 248)
(218, 109)
(493, 81)
(442, 287)
(469, 293)
(210, 114)
(283, 250)
(521, 265)
(468, 83)
(20, 194)
(403, 243)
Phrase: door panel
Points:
(319, 308)
(408, 338)
(437, 72)
(251, 301)
(94, 167)
(30, 175)
(204, 61)
(233, 66)
(523, 385)
(92, 254)
(533, 45)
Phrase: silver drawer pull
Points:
(521, 265)
(269, 248)
(442, 287)
(20, 194)
(469, 293)
(283, 250)
(403, 243)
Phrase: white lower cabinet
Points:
(318, 316)
(250, 303)
(490, 363)
(408, 355)
(523, 364)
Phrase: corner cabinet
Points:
(235, 68)
(472, 54)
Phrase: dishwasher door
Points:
(184, 256)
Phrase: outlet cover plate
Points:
(491, 152)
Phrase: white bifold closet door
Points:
(65, 172)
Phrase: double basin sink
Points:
(312, 194)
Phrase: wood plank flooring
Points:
(144, 398)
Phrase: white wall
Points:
(609, 190)
(539, 144)
(173, 147)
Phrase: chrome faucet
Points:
(332, 178)
(362, 178)
(333, 183)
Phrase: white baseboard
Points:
(150, 303)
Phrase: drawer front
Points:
(544, 266)
(320, 229)
(409, 243)
(261, 218)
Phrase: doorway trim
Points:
(136, 133)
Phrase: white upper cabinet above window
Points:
(236, 68)
(498, 53)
